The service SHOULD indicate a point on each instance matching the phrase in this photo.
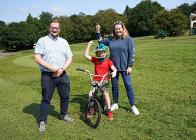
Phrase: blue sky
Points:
(18, 10)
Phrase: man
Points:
(54, 56)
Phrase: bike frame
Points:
(96, 86)
(93, 118)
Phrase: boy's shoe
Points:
(135, 110)
(42, 127)
(114, 106)
(110, 115)
(67, 118)
(88, 115)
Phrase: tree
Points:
(126, 10)
(18, 36)
(173, 22)
(45, 19)
(66, 28)
(82, 31)
(140, 18)
(106, 18)
(74, 32)
(193, 8)
(33, 23)
(2, 27)
(185, 9)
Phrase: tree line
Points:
(146, 18)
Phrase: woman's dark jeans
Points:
(127, 83)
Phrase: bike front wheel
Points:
(93, 113)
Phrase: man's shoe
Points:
(67, 118)
(114, 106)
(110, 115)
(42, 127)
(135, 110)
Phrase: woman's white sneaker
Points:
(135, 110)
(114, 106)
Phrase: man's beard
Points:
(54, 36)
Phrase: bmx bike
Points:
(96, 103)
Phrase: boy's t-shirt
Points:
(101, 68)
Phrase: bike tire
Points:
(93, 113)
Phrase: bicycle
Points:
(96, 103)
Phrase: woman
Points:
(122, 55)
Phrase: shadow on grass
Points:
(82, 101)
(125, 108)
(34, 110)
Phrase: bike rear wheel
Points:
(93, 113)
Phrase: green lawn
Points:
(164, 81)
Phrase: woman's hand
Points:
(129, 70)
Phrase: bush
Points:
(161, 34)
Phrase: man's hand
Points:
(58, 72)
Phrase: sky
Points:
(18, 10)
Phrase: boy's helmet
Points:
(101, 47)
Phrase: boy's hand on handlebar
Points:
(113, 74)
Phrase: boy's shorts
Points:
(104, 86)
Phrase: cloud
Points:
(27, 9)
(23, 10)
(35, 10)
(57, 10)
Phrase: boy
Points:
(102, 67)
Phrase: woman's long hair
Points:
(125, 32)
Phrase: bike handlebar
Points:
(91, 75)
(80, 69)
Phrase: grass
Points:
(164, 82)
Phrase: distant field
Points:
(164, 82)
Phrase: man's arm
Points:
(86, 52)
(60, 71)
(68, 63)
(38, 59)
